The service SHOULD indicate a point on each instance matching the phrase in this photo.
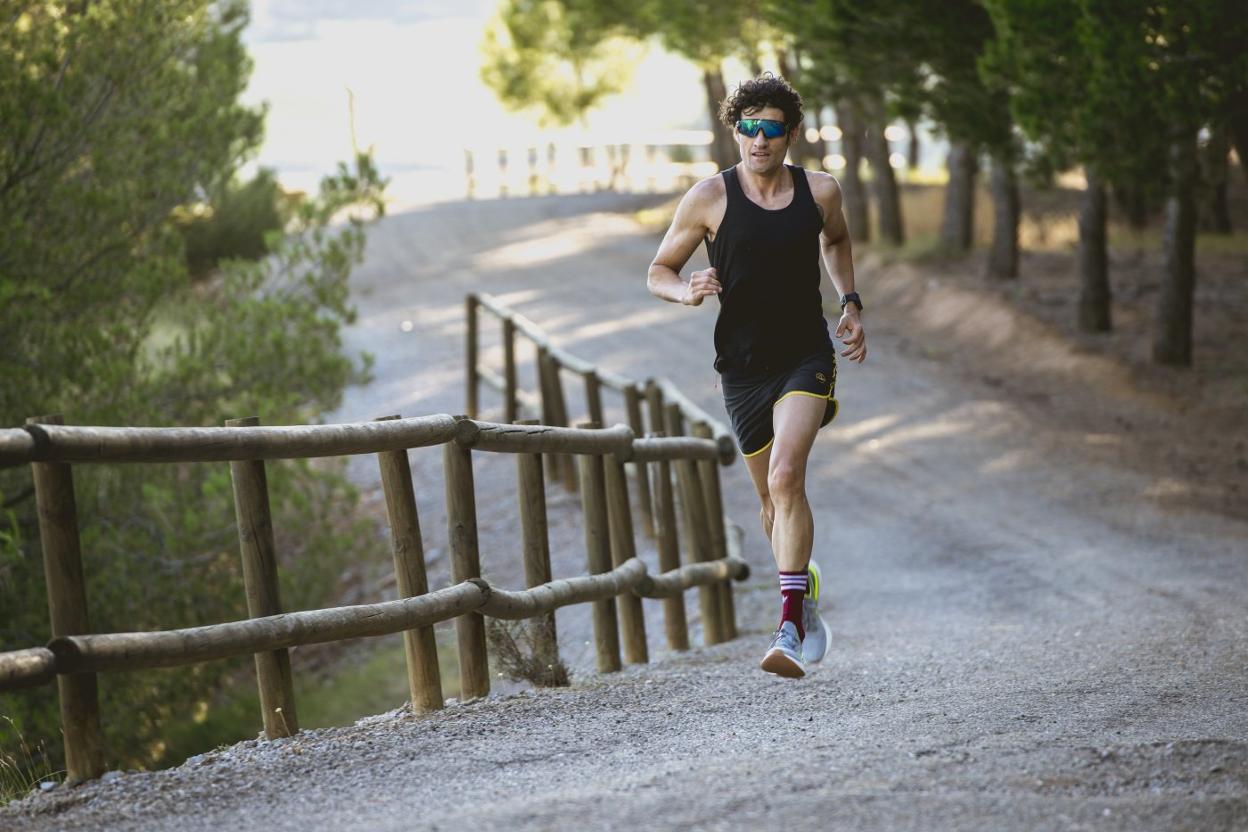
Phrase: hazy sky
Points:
(414, 69)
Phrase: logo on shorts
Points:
(821, 377)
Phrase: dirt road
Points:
(1021, 638)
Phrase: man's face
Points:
(760, 154)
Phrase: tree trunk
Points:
(1172, 342)
(912, 149)
(957, 229)
(1094, 293)
(857, 214)
(1215, 169)
(804, 151)
(723, 146)
(1239, 126)
(1003, 258)
(887, 198)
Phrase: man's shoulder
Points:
(708, 191)
(824, 187)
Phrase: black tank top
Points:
(771, 312)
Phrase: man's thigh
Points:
(796, 420)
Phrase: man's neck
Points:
(768, 184)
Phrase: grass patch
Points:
(22, 768)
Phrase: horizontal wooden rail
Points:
(172, 648)
(26, 668)
(80, 444)
(17, 447)
(529, 439)
(74, 443)
(561, 593)
(694, 574)
(656, 449)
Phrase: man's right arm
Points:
(686, 233)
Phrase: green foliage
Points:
(559, 61)
(115, 113)
(233, 223)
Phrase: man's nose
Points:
(760, 139)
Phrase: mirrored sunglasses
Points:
(771, 128)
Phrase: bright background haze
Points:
(414, 70)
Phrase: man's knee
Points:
(786, 482)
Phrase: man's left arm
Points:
(838, 257)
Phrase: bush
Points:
(233, 223)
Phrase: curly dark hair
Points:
(767, 90)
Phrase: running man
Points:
(765, 225)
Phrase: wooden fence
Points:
(616, 582)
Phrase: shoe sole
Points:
(781, 665)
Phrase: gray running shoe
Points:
(815, 645)
(784, 653)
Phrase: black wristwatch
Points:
(849, 298)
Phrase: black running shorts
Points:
(750, 398)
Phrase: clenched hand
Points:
(701, 284)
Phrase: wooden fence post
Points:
(658, 425)
(536, 542)
(598, 555)
(674, 619)
(593, 398)
(632, 404)
(255, 538)
(461, 520)
(623, 548)
(551, 462)
(568, 464)
(472, 403)
(67, 608)
(424, 679)
(709, 471)
(697, 536)
(509, 371)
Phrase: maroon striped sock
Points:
(792, 593)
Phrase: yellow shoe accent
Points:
(812, 581)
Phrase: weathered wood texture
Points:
(623, 549)
(471, 399)
(27, 668)
(524, 439)
(671, 584)
(697, 531)
(173, 648)
(259, 553)
(461, 520)
(709, 472)
(535, 539)
(675, 623)
(645, 504)
(510, 401)
(17, 447)
(80, 654)
(67, 607)
(104, 444)
(541, 600)
(423, 675)
(598, 556)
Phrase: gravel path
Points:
(1021, 638)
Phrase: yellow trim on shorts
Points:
(800, 393)
(760, 450)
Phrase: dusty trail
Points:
(1021, 639)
